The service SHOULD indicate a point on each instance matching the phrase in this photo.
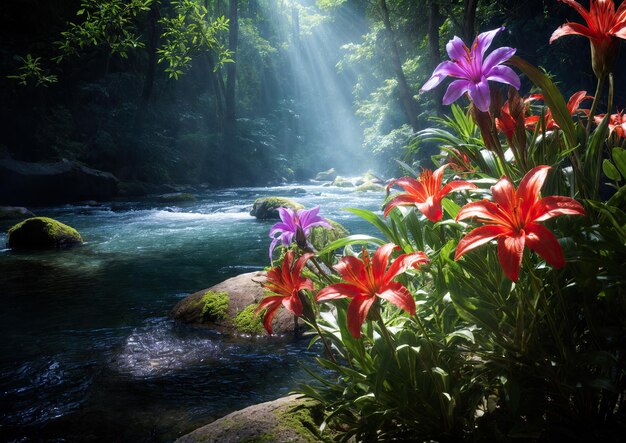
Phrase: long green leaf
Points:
(351, 240)
(551, 95)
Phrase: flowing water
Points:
(87, 352)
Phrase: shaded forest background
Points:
(166, 92)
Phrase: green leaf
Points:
(610, 171)
(619, 157)
(375, 220)
(351, 240)
(551, 95)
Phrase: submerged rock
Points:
(176, 197)
(286, 419)
(229, 307)
(370, 186)
(267, 207)
(328, 175)
(50, 183)
(42, 233)
(14, 213)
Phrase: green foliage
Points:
(190, 31)
(31, 72)
(109, 23)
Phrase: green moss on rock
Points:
(42, 233)
(342, 183)
(248, 323)
(177, 197)
(214, 305)
(305, 419)
(267, 207)
(321, 236)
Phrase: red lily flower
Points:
(513, 218)
(617, 123)
(573, 106)
(604, 24)
(425, 193)
(367, 279)
(285, 281)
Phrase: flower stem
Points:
(594, 105)
(596, 188)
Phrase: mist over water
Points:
(88, 353)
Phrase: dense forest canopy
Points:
(246, 91)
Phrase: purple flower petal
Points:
(441, 72)
(479, 93)
(286, 238)
(498, 56)
(456, 89)
(272, 247)
(483, 41)
(504, 74)
(456, 49)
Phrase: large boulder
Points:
(42, 233)
(14, 213)
(370, 186)
(286, 419)
(267, 207)
(52, 183)
(321, 236)
(229, 307)
(342, 182)
(177, 197)
(328, 175)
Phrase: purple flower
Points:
(472, 71)
(296, 224)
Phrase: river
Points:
(87, 352)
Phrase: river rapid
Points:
(87, 352)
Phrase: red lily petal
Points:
(400, 296)
(268, 301)
(351, 270)
(504, 194)
(403, 263)
(400, 200)
(530, 186)
(338, 290)
(412, 186)
(381, 260)
(572, 29)
(478, 237)
(554, 205)
(543, 242)
(510, 253)
(299, 265)
(483, 209)
(575, 100)
(438, 175)
(431, 208)
(357, 313)
(294, 304)
(272, 307)
(456, 185)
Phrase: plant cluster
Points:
(432, 333)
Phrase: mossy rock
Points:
(286, 419)
(267, 207)
(14, 213)
(177, 197)
(328, 175)
(321, 236)
(229, 307)
(42, 233)
(342, 182)
(370, 187)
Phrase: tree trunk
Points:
(469, 20)
(217, 85)
(406, 97)
(148, 84)
(435, 20)
(230, 129)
